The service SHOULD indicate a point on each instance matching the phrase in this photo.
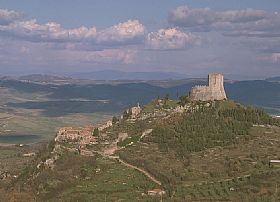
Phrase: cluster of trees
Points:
(250, 114)
(115, 119)
(127, 114)
(95, 132)
(183, 100)
(206, 128)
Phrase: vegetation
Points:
(219, 142)
(127, 114)
(115, 120)
(207, 128)
(159, 104)
(95, 132)
(183, 100)
(81, 178)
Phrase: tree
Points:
(183, 100)
(115, 120)
(127, 114)
(166, 97)
(95, 132)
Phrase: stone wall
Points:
(214, 90)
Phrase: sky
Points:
(239, 38)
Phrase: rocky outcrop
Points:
(214, 91)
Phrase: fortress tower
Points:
(214, 91)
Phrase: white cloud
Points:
(170, 39)
(127, 32)
(8, 16)
(49, 32)
(247, 22)
(192, 17)
(83, 44)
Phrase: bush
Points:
(115, 120)
(95, 132)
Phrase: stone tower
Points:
(216, 85)
(214, 91)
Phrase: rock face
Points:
(214, 91)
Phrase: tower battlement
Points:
(214, 91)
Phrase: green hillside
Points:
(208, 151)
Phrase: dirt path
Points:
(146, 132)
(152, 178)
(112, 148)
(140, 170)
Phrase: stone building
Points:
(106, 125)
(214, 91)
(135, 111)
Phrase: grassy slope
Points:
(80, 178)
(247, 155)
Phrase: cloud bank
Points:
(131, 32)
(123, 33)
(8, 16)
(234, 23)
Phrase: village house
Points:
(82, 136)
(106, 125)
(79, 135)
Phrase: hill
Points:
(274, 79)
(43, 78)
(259, 93)
(175, 150)
(132, 76)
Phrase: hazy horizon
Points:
(143, 74)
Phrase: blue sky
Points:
(240, 38)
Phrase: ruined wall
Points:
(214, 90)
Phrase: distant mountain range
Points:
(116, 75)
(64, 97)
(42, 78)
(121, 75)
(274, 79)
